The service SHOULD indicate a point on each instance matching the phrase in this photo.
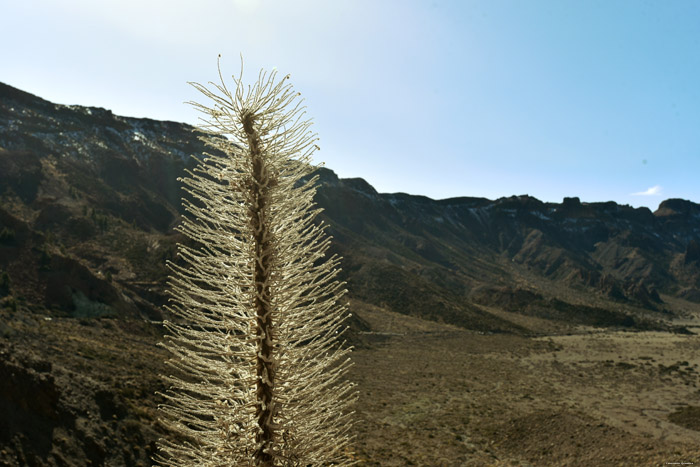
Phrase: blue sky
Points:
(596, 99)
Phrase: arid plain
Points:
(434, 394)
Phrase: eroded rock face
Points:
(85, 173)
(52, 416)
(29, 403)
(24, 179)
(691, 294)
(692, 252)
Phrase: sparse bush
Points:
(4, 284)
(86, 308)
(7, 235)
(11, 303)
(44, 258)
(100, 219)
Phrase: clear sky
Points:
(596, 99)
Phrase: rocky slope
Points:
(88, 202)
(443, 257)
(104, 189)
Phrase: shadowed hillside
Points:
(88, 202)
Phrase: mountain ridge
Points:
(88, 205)
(94, 170)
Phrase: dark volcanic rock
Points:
(28, 403)
(611, 287)
(53, 416)
(21, 173)
(689, 293)
(90, 177)
(692, 252)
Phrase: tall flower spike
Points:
(260, 372)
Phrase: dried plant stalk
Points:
(257, 309)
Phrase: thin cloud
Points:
(653, 191)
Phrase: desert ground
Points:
(430, 394)
(435, 395)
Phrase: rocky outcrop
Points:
(52, 416)
(29, 403)
(692, 252)
(106, 187)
